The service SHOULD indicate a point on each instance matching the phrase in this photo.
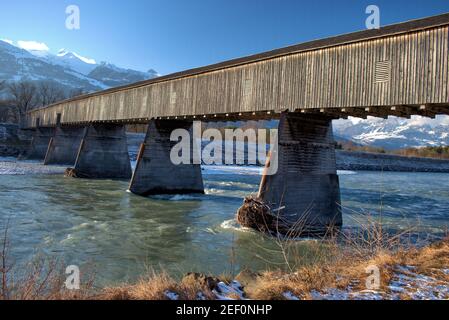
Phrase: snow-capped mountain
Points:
(113, 76)
(69, 69)
(395, 133)
(74, 61)
(18, 64)
(392, 133)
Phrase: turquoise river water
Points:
(99, 223)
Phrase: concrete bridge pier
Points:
(103, 153)
(305, 191)
(39, 143)
(63, 147)
(155, 172)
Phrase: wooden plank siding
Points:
(405, 69)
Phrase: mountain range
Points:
(68, 69)
(394, 133)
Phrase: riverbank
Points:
(349, 272)
(405, 274)
(366, 161)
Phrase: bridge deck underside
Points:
(403, 111)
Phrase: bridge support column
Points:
(63, 147)
(305, 191)
(39, 143)
(155, 172)
(103, 153)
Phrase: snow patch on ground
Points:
(232, 291)
(171, 295)
(290, 296)
(406, 283)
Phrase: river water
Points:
(121, 235)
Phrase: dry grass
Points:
(153, 287)
(430, 260)
(42, 279)
(350, 270)
(156, 285)
(340, 269)
(337, 273)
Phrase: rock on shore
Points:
(13, 141)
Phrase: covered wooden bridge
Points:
(399, 70)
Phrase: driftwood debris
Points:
(257, 215)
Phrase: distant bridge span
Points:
(398, 70)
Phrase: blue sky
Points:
(173, 35)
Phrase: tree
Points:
(76, 92)
(24, 99)
(49, 93)
(4, 107)
(25, 96)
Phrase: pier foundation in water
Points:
(155, 171)
(39, 143)
(103, 153)
(303, 196)
(64, 145)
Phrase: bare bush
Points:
(24, 98)
(49, 93)
(43, 278)
(27, 95)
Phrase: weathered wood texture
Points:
(406, 67)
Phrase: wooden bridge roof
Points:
(346, 39)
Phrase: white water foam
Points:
(239, 170)
(248, 170)
(176, 197)
(10, 166)
(345, 172)
(233, 225)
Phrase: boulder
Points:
(247, 278)
(201, 279)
